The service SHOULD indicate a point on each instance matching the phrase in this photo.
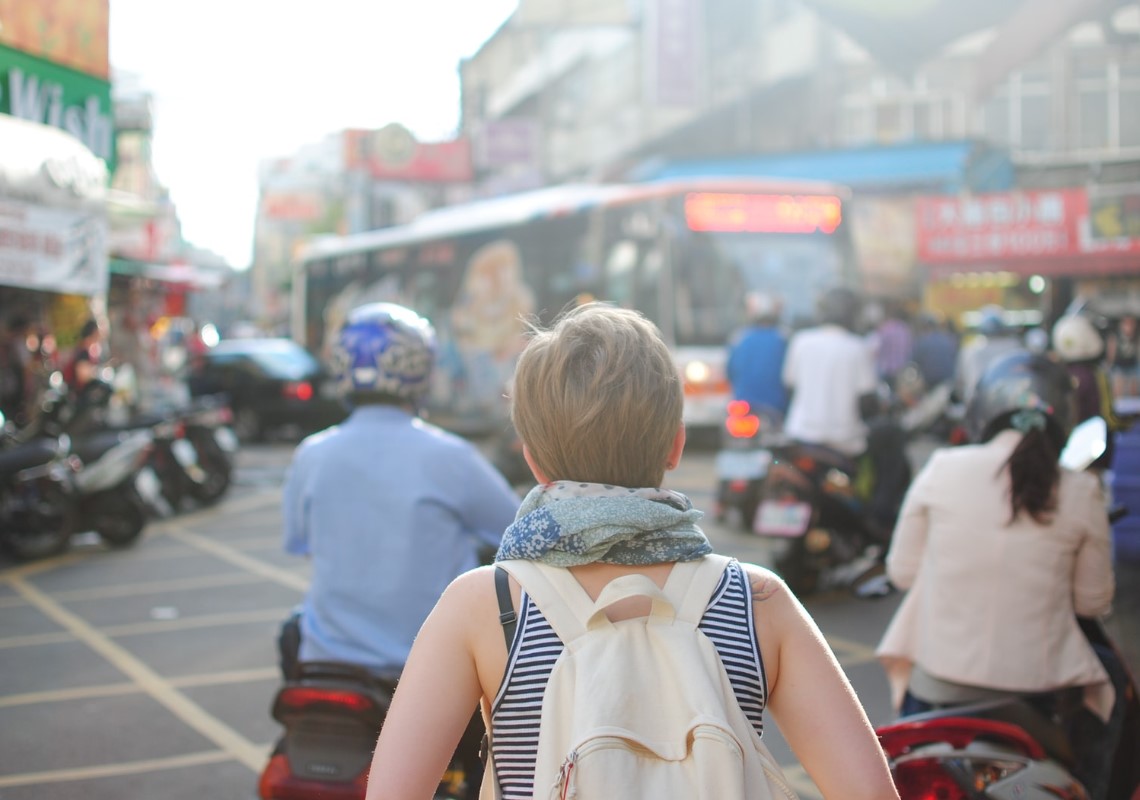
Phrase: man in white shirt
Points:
(830, 371)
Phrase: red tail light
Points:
(926, 779)
(279, 783)
(299, 390)
(298, 698)
(740, 423)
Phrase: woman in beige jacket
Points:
(1000, 550)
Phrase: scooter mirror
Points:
(1086, 444)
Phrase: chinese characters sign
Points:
(53, 249)
(998, 227)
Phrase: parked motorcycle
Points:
(332, 713)
(208, 428)
(37, 494)
(748, 438)
(114, 489)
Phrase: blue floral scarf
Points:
(565, 524)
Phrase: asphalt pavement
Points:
(148, 673)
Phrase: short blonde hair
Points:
(597, 398)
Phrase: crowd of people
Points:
(396, 514)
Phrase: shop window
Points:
(1130, 116)
(927, 122)
(1035, 126)
(890, 122)
(997, 126)
(1092, 107)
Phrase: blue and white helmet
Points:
(385, 349)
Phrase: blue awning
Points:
(932, 166)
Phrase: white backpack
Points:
(640, 708)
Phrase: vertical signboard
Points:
(675, 47)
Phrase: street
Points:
(148, 673)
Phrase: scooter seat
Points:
(1015, 711)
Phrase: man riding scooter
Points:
(389, 508)
(830, 373)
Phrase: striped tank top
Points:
(517, 710)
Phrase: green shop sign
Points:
(44, 92)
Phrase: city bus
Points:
(685, 253)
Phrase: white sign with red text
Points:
(52, 249)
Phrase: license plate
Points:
(184, 453)
(743, 465)
(148, 485)
(776, 518)
(330, 390)
(226, 439)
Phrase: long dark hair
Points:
(1034, 472)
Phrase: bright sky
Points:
(237, 81)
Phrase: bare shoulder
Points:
(765, 583)
(471, 585)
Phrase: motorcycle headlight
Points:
(697, 372)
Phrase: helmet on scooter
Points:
(839, 306)
(1021, 381)
(1075, 338)
(385, 352)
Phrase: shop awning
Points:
(185, 276)
(936, 167)
(45, 166)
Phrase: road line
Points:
(43, 565)
(225, 737)
(114, 770)
(33, 639)
(231, 678)
(156, 587)
(226, 678)
(238, 505)
(202, 621)
(226, 553)
(855, 650)
(63, 695)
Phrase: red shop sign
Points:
(1002, 226)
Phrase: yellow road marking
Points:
(155, 587)
(43, 565)
(202, 621)
(34, 639)
(234, 556)
(231, 677)
(63, 695)
(113, 770)
(225, 737)
(852, 651)
(241, 505)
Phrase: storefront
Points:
(57, 148)
(1028, 251)
(53, 227)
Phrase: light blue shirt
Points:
(391, 510)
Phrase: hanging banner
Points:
(51, 249)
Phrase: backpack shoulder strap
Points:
(559, 597)
(507, 616)
(691, 584)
